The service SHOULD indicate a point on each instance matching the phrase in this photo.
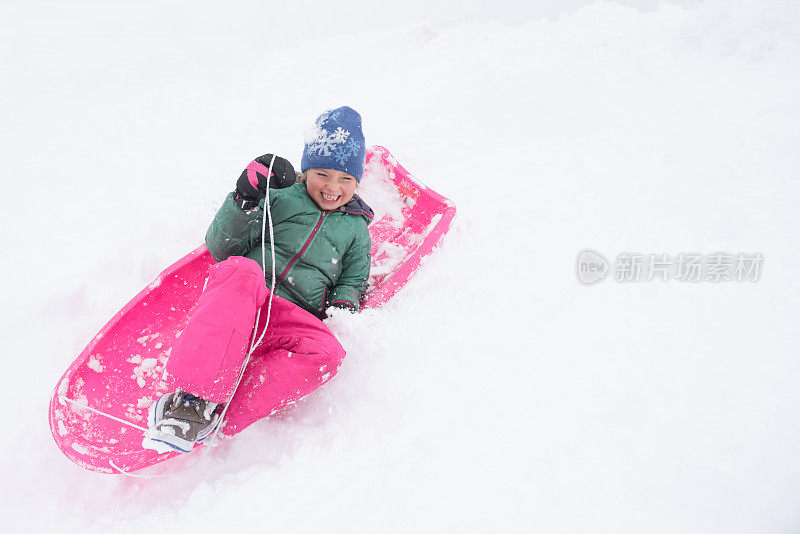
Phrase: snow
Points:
(209, 409)
(184, 426)
(94, 363)
(146, 367)
(144, 340)
(495, 392)
(148, 363)
(389, 254)
(376, 191)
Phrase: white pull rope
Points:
(263, 262)
(76, 403)
(253, 345)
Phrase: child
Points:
(322, 260)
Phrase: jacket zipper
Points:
(305, 246)
(324, 297)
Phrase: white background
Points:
(495, 393)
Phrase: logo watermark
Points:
(592, 267)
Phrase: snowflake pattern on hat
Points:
(336, 142)
(350, 149)
(326, 144)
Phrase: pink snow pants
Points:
(297, 355)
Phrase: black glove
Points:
(252, 184)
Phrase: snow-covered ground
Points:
(496, 393)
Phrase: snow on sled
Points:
(99, 407)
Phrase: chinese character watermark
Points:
(592, 267)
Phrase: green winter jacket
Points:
(322, 257)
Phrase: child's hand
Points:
(252, 184)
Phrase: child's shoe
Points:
(179, 420)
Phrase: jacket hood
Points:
(357, 206)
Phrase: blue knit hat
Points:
(336, 142)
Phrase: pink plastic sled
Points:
(99, 407)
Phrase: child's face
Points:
(329, 188)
